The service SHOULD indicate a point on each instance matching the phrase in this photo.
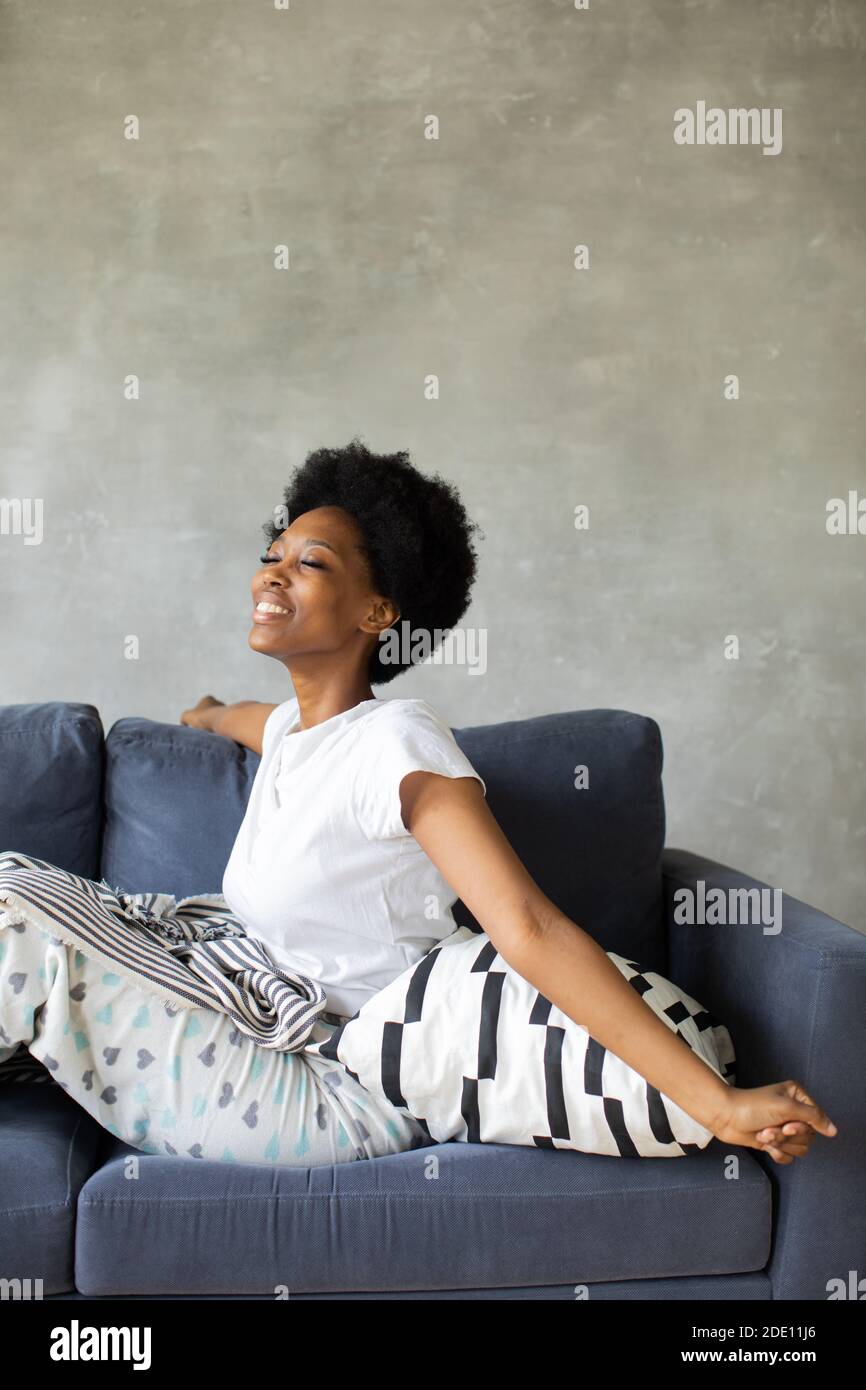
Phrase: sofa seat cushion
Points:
(449, 1216)
(48, 1147)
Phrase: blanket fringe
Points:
(13, 917)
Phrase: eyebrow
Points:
(311, 540)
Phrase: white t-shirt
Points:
(323, 870)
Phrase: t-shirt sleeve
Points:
(414, 741)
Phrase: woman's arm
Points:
(453, 824)
(243, 722)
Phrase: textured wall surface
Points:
(558, 386)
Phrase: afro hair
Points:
(415, 533)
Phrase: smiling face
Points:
(328, 614)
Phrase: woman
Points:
(363, 812)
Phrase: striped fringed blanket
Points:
(191, 953)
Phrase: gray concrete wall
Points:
(408, 257)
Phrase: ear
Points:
(383, 614)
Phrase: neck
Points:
(319, 700)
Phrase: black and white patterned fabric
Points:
(471, 1050)
(191, 953)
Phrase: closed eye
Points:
(272, 560)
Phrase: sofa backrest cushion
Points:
(174, 800)
(176, 796)
(594, 848)
(51, 767)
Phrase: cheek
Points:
(322, 615)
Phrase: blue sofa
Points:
(157, 806)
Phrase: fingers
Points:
(790, 1151)
(804, 1119)
(805, 1109)
(782, 1148)
(785, 1153)
(797, 1129)
(777, 1154)
(785, 1142)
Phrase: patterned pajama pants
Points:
(169, 1080)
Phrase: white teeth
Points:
(270, 608)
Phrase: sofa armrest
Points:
(794, 1001)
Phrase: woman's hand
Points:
(196, 717)
(781, 1119)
